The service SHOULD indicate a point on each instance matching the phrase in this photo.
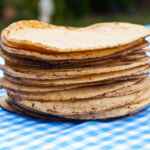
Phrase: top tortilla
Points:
(38, 35)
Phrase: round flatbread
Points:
(45, 56)
(68, 39)
(81, 107)
(74, 94)
(4, 104)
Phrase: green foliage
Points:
(26, 9)
(70, 9)
(107, 6)
(59, 10)
(74, 9)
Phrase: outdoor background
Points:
(77, 13)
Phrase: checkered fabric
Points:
(27, 133)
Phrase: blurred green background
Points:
(78, 13)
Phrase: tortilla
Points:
(143, 50)
(78, 107)
(81, 107)
(71, 76)
(139, 44)
(51, 74)
(135, 56)
(11, 60)
(73, 71)
(10, 85)
(4, 105)
(87, 79)
(74, 94)
(21, 61)
(24, 63)
(46, 83)
(107, 90)
(131, 108)
(69, 56)
(116, 112)
(136, 87)
(9, 106)
(44, 36)
(21, 111)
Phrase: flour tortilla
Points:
(130, 108)
(71, 74)
(143, 50)
(46, 83)
(86, 79)
(135, 56)
(134, 88)
(73, 63)
(21, 111)
(11, 60)
(116, 112)
(144, 75)
(98, 91)
(78, 71)
(134, 47)
(78, 107)
(18, 87)
(57, 66)
(95, 93)
(23, 63)
(9, 106)
(90, 106)
(116, 93)
(4, 105)
(44, 36)
(75, 56)
(74, 94)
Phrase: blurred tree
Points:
(109, 6)
(20, 10)
(70, 9)
(14, 10)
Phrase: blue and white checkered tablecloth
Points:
(27, 133)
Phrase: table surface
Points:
(27, 133)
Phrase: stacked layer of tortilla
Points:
(54, 72)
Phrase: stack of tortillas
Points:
(55, 72)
